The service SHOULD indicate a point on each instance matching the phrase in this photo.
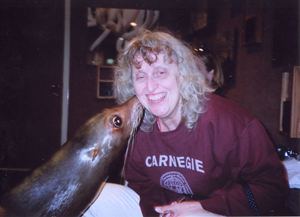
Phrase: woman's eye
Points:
(140, 76)
(116, 121)
(160, 73)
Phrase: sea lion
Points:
(71, 179)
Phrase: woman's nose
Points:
(151, 85)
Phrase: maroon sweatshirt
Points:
(228, 146)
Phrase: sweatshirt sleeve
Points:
(251, 159)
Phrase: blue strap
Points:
(251, 199)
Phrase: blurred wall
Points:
(258, 80)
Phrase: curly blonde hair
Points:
(193, 87)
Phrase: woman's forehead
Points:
(152, 58)
(148, 56)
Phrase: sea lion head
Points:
(112, 128)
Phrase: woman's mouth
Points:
(157, 97)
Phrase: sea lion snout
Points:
(137, 112)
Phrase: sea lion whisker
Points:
(130, 142)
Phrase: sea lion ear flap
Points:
(95, 153)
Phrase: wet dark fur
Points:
(66, 185)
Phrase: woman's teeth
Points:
(156, 98)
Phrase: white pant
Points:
(121, 201)
(115, 201)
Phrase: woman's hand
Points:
(187, 208)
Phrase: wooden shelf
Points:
(290, 104)
(105, 80)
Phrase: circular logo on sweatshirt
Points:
(175, 181)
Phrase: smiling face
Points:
(157, 87)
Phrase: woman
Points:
(194, 149)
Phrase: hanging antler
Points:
(118, 21)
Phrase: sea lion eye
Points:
(116, 121)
